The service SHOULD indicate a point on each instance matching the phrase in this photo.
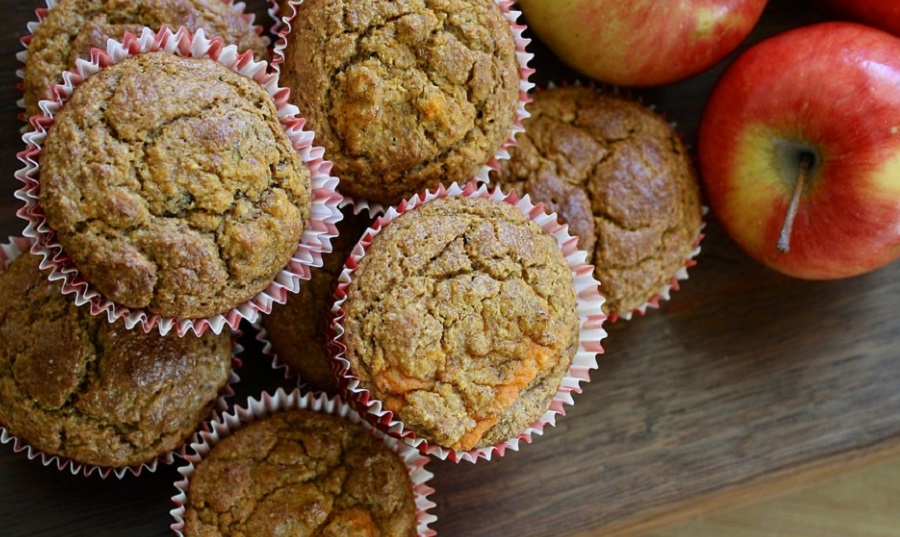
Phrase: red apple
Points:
(884, 14)
(827, 94)
(641, 42)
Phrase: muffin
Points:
(461, 320)
(295, 330)
(72, 27)
(172, 185)
(78, 387)
(300, 472)
(403, 95)
(621, 178)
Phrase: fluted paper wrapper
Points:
(41, 14)
(10, 252)
(282, 29)
(588, 308)
(315, 240)
(281, 401)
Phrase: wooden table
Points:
(746, 384)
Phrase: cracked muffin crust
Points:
(72, 27)
(77, 386)
(460, 318)
(403, 95)
(188, 207)
(295, 329)
(300, 472)
(620, 176)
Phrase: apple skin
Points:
(641, 42)
(831, 89)
(884, 14)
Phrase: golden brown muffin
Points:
(72, 27)
(296, 328)
(74, 385)
(300, 473)
(403, 95)
(172, 185)
(620, 176)
(461, 319)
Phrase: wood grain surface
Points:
(861, 504)
(745, 385)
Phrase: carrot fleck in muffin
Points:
(79, 387)
(72, 27)
(171, 184)
(461, 319)
(403, 95)
(620, 176)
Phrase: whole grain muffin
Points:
(72, 27)
(296, 328)
(300, 473)
(403, 95)
(172, 185)
(77, 386)
(620, 176)
(461, 319)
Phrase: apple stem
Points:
(784, 239)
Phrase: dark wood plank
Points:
(744, 385)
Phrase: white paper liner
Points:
(665, 291)
(41, 14)
(316, 239)
(282, 401)
(282, 29)
(589, 304)
(674, 284)
(11, 251)
(268, 350)
(279, 19)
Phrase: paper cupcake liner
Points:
(268, 350)
(282, 401)
(280, 19)
(588, 307)
(315, 240)
(11, 251)
(665, 291)
(674, 284)
(282, 29)
(41, 14)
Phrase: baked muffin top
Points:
(300, 473)
(296, 328)
(172, 185)
(72, 27)
(620, 176)
(461, 319)
(77, 386)
(403, 95)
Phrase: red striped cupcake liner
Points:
(41, 14)
(589, 304)
(282, 29)
(11, 251)
(315, 240)
(281, 401)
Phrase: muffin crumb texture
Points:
(461, 319)
(300, 473)
(403, 95)
(620, 176)
(172, 186)
(76, 386)
(72, 27)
